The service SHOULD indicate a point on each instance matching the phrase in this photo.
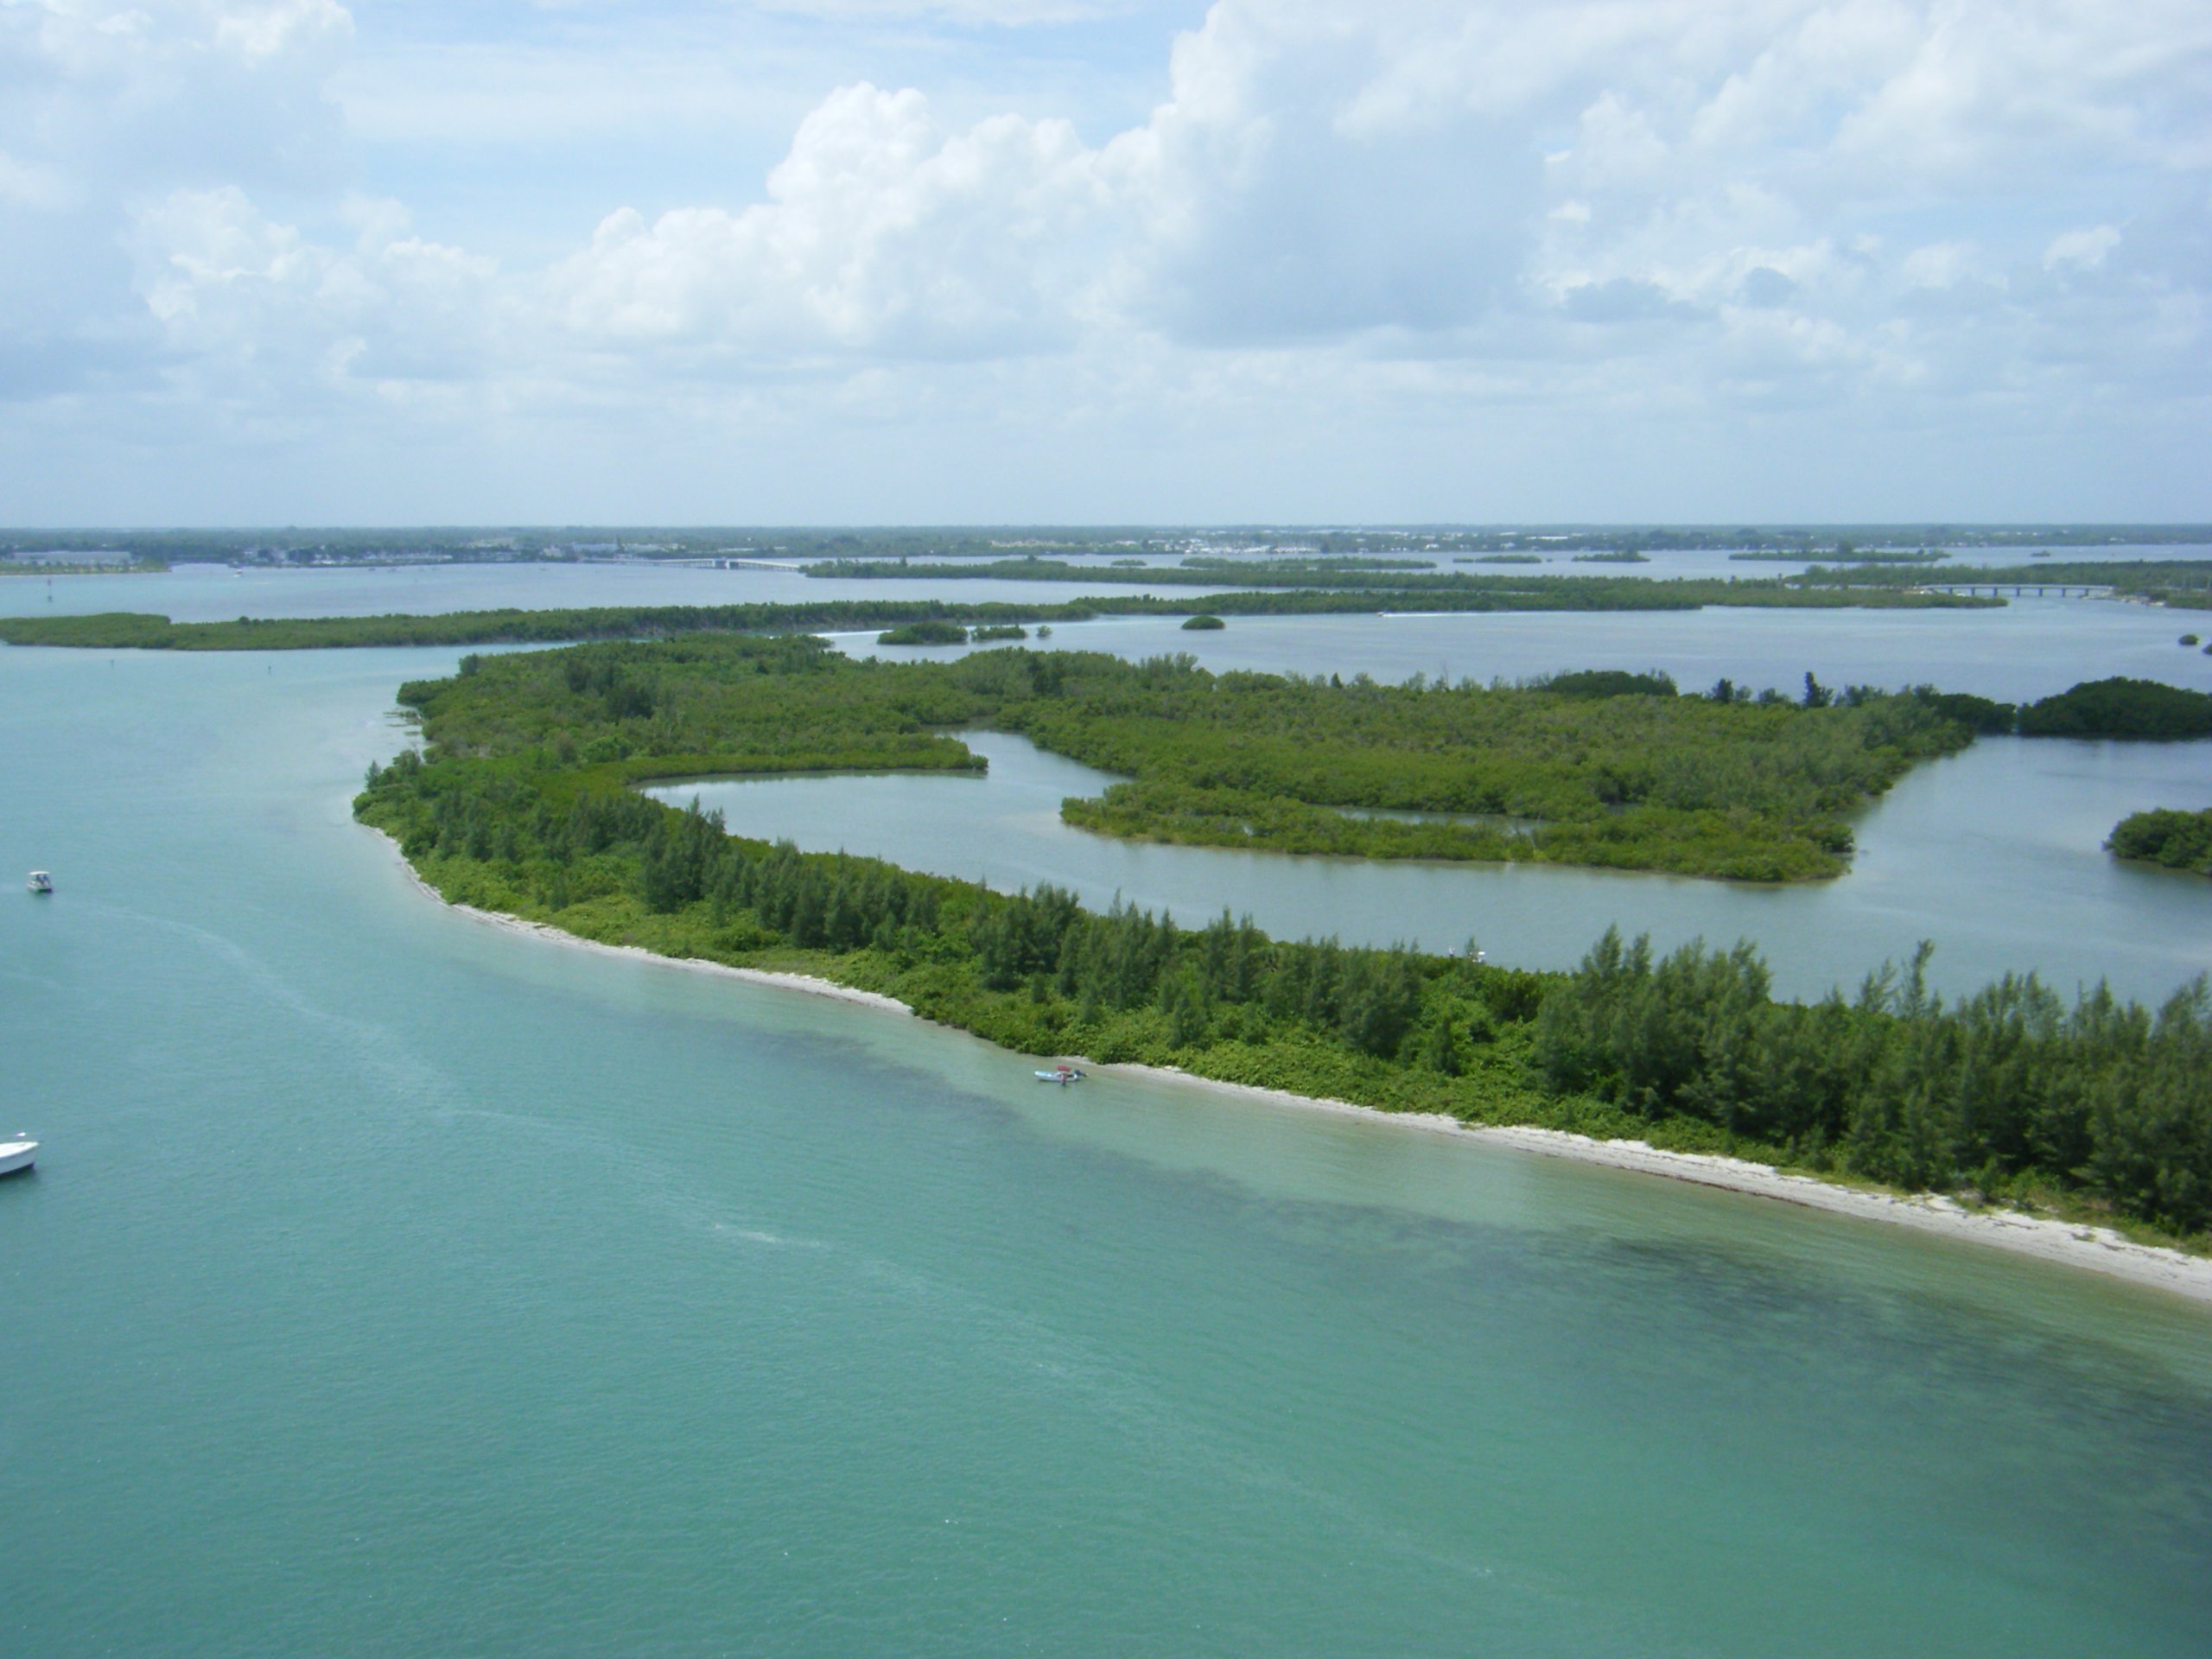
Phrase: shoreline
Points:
(2091, 1249)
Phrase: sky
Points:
(859, 262)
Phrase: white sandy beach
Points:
(2098, 1250)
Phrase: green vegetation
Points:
(924, 634)
(135, 630)
(2119, 708)
(2184, 583)
(521, 807)
(1612, 682)
(1267, 565)
(1501, 558)
(1623, 555)
(124, 630)
(991, 635)
(1447, 590)
(2180, 841)
(1617, 771)
(1203, 623)
(2093, 708)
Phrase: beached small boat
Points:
(1060, 1074)
(16, 1155)
(40, 881)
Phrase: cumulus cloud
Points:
(1417, 211)
(881, 233)
(2084, 249)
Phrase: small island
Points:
(2178, 840)
(1203, 625)
(2121, 708)
(924, 634)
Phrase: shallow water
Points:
(1996, 856)
(394, 1285)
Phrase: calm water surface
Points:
(1996, 856)
(2030, 648)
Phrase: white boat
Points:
(16, 1155)
(39, 882)
(1060, 1074)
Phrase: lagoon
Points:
(1996, 856)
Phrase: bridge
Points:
(2021, 589)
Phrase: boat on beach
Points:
(16, 1155)
(1062, 1074)
(40, 881)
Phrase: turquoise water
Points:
(390, 1284)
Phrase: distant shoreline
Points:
(2095, 1249)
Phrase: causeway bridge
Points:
(2022, 589)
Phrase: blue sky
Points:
(880, 261)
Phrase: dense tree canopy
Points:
(2119, 708)
(1600, 769)
(2180, 841)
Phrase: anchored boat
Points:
(16, 1155)
(39, 882)
(1062, 1074)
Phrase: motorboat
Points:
(16, 1155)
(40, 881)
(1062, 1074)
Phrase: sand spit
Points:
(807, 983)
(2098, 1250)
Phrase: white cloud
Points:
(2082, 249)
(1940, 264)
(278, 30)
(1440, 211)
(28, 184)
(881, 233)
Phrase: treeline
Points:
(1999, 1089)
(2184, 583)
(2180, 841)
(129, 630)
(2010, 1093)
(2115, 708)
(2119, 708)
(140, 630)
(1394, 589)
